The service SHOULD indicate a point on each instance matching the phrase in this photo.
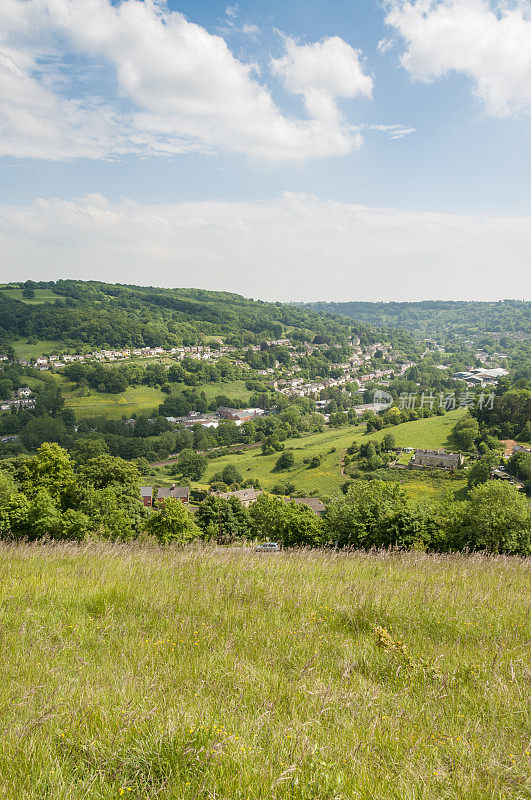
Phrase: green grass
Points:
(327, 478)
(24, 350)
(161, 674)
(134, 399)
(41, 296)
(138, 399)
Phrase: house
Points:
(313, 503)
(227, 413)
(24, 391)
(501, 475)
(146, 495)
(238, 415)
(439, 459)
(181, 493)
(245, 496)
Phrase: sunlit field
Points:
(134, 671)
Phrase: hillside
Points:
(327, 478)
(437, 317)
(142, 672)
(77, 313)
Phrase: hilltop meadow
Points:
(157, 673)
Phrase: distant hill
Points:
(74, 313)
(437, 317)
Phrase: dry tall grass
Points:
(132, 671)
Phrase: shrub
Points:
(172, 523)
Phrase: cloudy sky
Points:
(294, 150)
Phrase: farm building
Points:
(438, 459)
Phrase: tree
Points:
(265, 515)
(40, 430)
(231, 475)
(85, 449)
(112, 514)
(299, 527)
(191, 464)
(28, 293)
(498, 519)
(364, 517)
(519, 465)
(480, 472)
(43, 517)
(6, 388)
(285, 461)
(389, 442)
(51, 470)
(107, 471)
(223, 519)
(173, 524)
(465, 432)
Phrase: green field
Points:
(139, 398)
(165, 674)
(41, 296)
(327, 478)
(235, 390)
(135, 399)
(24, 350)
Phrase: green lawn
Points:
(41, 296)
(135, 671)
(327, 478)
(135, 399)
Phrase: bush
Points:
(285, 461)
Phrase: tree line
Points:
(60, 496)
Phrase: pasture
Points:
(23, 349)
(41, 296)
(137, 399)
(113, 406)
(235, 390)
(326, 479)
(142, 672)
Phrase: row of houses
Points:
(151, 497)
(21, 399)
(439, 459)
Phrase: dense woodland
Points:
(438, 317)
(99, 314)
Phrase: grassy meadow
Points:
(142, 672)
(235, 390)
(41, 296)
(25, 350)
(135, 399)
(331, 444)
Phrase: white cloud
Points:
(384, 45)
(490, 42)
(292, 248)
(167, 85)
(393, 131)
(321, 72)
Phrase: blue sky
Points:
(369, 147)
